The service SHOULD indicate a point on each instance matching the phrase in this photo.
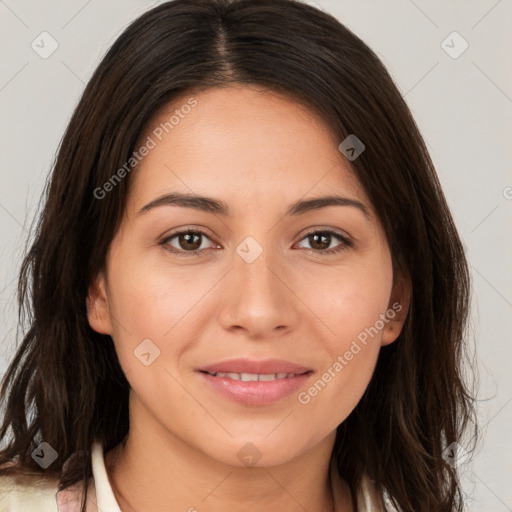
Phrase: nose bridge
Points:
(257, 300)
(255, 277)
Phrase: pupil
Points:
(189, 243)
(325, 239)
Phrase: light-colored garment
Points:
(35, 494)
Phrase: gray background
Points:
(462, 105)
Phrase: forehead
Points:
(243, 144)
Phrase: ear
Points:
(398, 308)
(97, 306)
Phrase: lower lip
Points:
(255, 392)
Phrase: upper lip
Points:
(266, 366)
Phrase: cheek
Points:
(351, 304)
(149, 301)
(352, 355)
(334, 394)
(350, 301)
(148, 309)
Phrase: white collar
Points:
(100, 496)
(104, 494)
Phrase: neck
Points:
(152, 469)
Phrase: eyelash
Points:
(345, 242)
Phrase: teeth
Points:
(270, 376)
(252, 377)
(249, 377)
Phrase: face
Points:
(291, 295)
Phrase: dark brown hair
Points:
(65, 385)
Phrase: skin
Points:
(258, 152)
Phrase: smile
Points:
(254, 389)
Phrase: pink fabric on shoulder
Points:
(68, 500)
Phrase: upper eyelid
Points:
(187, 230)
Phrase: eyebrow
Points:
(211, 205)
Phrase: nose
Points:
(258, 298)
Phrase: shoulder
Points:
(27, 493)
(370, 497)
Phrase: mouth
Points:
(255, 383)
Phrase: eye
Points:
(186, 243)
(192, 242)
(320, 242)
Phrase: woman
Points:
(246, 288)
